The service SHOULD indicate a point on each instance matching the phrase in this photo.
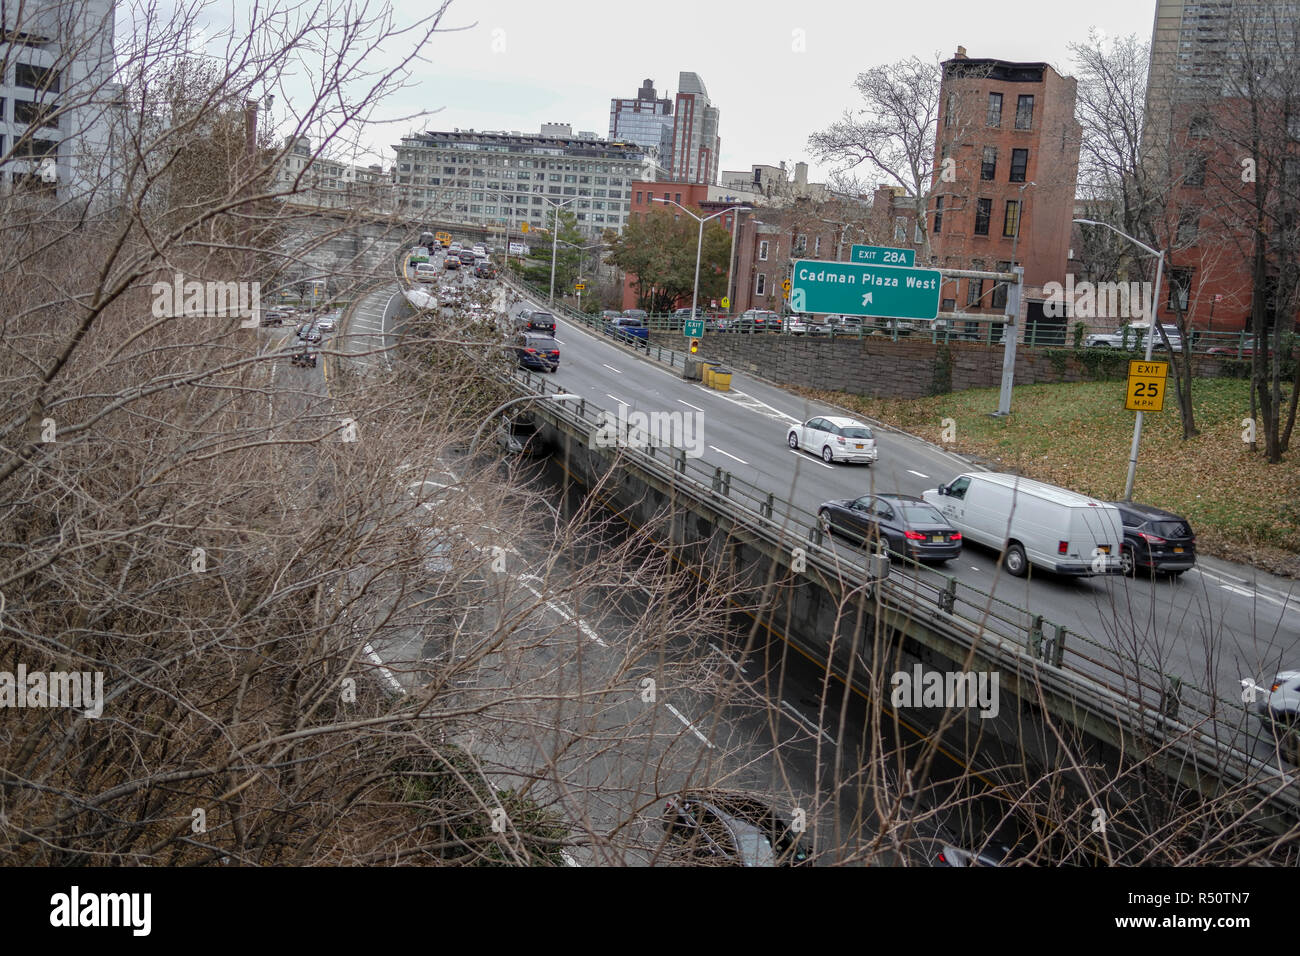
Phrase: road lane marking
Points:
(917, 473)
(568, 616)
(728, 454)
(717, 650)
(689, 405)
(617, 399)
(611, 368)
(804, 455)
(808, 724)
(678, 714)
(1236, 590)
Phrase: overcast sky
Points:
(521, 63)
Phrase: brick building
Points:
(1006, 167)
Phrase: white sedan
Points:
(835, 439)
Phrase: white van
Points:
(1033, 522)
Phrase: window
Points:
(638, 196)
(760, 284)
(974, 292)
(995, 109)
(1019, 165)
(1188, 226)
(948, 106)
(1180, 287)
(1025, 111)
(983, 213)
(1011, 221)
(677, 197)
(938, 215)
(817, 246)
(900, 228)
(948, 305)
(1195, 174)
(34, 114)
(666, 197)
(1199, 127)
(762, 251)
(989, 166)
(36, 77)
(569, 179)
(801, 245)
(998, 299)
(35, 147)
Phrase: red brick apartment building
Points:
(1006, 167)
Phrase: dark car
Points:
(609, 315)
(485, 270)
(539, 352)
(1155, 539)
(732, 829)
(537, 322)
(641, 314)
(909, 526)
(451, 262)
(467, 257)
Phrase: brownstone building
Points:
(1006, 167)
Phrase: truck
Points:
(1033, 523)
(628, 329)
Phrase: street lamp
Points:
(699, 245)
(1151, 341)
(555, 238)
(558, 397)
(594, 245)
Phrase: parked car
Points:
(1033, 523)
(609, 315)
(732, 829)
(1133, 336)
(905, 523)
(889, 326)
(835, 439)
(794, 325)
(537, 321)
(537, 351)
(849, 325)
(1155, 539)
(717, 324)
(1280, 709)
(757, 320)
(641, 314)
(820, 325)
(686, 313)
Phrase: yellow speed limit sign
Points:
(1146, 386)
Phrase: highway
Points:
(1217, 625)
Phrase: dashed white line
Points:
(568, 616)
(689, 405)
(917, 473)
(728, 454)
(690, 726)
(612, 369)
(807, 723)
(809, 458)
(717, 650)
(617, 399)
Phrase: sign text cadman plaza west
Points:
(850, 288)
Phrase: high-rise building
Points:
(500, 178)
(57, 102)
(646, 120)
(696, 146)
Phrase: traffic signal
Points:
(695, 346)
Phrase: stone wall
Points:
(881, 368)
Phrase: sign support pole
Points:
(1152, 332)
(1009, 335)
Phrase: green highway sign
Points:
(693, 328)
(849, 288)
(883, 256)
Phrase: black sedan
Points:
(908, 525)
(1155, 539)
(731, 829)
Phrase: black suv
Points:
(537, 351)
(1155, 539)
(537, 322)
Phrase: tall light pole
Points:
(555, 239)
(594, 245)
(699, 245)
(1151, 341)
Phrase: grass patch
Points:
(1078, 435)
